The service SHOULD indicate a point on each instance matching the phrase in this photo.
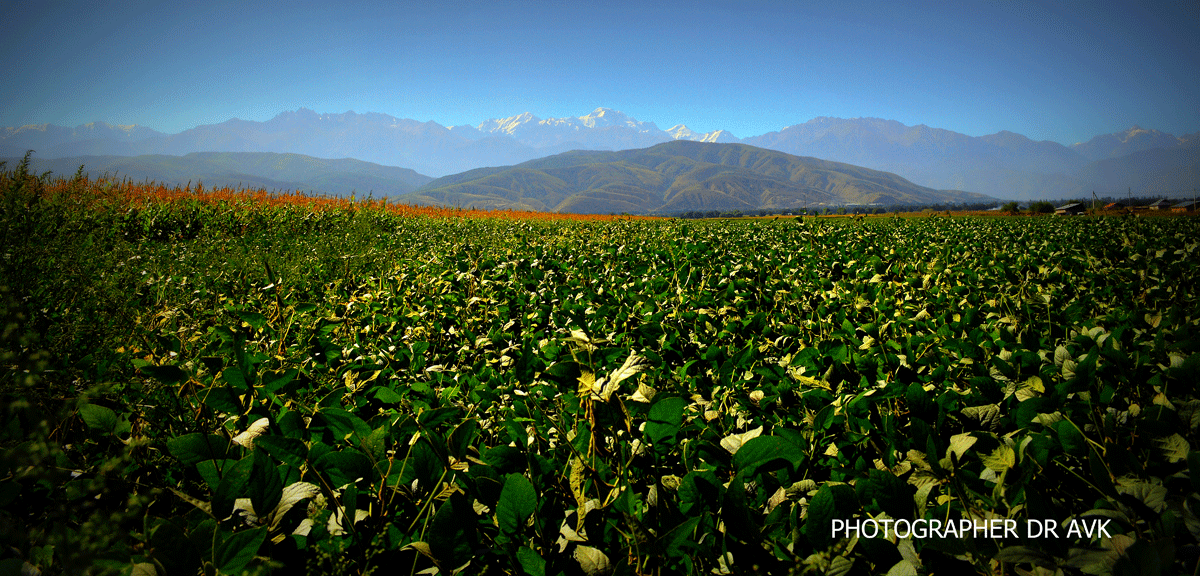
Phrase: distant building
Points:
(1070, 209)
(1161, 205)
(1189, 206)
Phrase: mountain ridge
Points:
(1004, 164)
(673, 177)
(270, 170)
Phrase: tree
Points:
(1042, 207)
(1010, 207)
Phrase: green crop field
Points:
(218, 386)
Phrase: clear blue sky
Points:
(1064, 71)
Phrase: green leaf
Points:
(343, 424)
(254, 319)
(233, 485)
(821, 513)
(232, 556)
(518, 502)
(345, 466)
(766, 453)
(531, 562)
(100, 418)
(919, 401)
(222, 400)
(884, 491)
(213, 470)
(431, 418)
(679, 541)
(462, 437)
(191, 449)
(291, 451)
(734, 512)
(664, 419)
(700, 490)
(235, 378)
(1026, 555)
(14, 567)
(1071, 438)
(273, 381)
(264, 487)
(376, 443)
(422, 465)
(387, 395)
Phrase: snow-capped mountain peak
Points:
(508, 125)
(681, 132)
(604, 117)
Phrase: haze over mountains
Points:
(252, 170)
(1002, 165)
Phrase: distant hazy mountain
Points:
(17, 140)
(426, 147)
(1002, 165)
(1135, 139)
(1166, 171)
(273, 171)
(931, 156)
(674, 177)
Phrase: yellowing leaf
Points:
(734, 441)
(633, 364)
(1001, 459)
(644, 393)
(592, 560)
(1174, 447)
(292, 494)
(1061, 354)
(988, 416)
(1048, 419)
(254, 431)
(587, 381)
(959, 444)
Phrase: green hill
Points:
(270, 170)
(674, 177)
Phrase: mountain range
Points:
(1002, 165)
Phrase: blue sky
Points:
(1065, 71)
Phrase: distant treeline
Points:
(1028, 206)
(832, 210)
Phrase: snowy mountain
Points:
(602, 129)
(681, 132)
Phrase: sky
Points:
(1061, 71)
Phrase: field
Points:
(204, 382)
